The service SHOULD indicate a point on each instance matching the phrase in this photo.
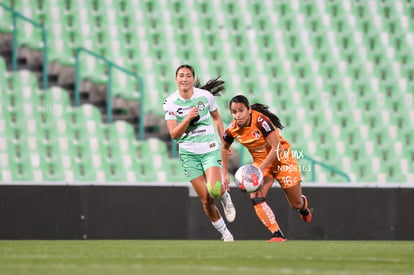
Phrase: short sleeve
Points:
(227, 137)
(265, 125)
(211, 102)
(169, 113)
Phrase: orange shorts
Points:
(285, 171)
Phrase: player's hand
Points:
(259, 167)
(193, 112)
(226, 181)
(193, 116)
(230, 151)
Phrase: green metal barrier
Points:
(325, 166)
(16, 16)
(109, 86)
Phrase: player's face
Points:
(184, 79)
(241, 113)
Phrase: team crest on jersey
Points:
(256, 134)
(201, 106)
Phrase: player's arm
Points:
(176, 129)
(218, 123)
(225, 155)
(269, 132)
(273, 140)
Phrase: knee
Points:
(216, 190)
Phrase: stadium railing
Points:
(325, 166)
(16, 15)
(109, 86)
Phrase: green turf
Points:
(206, 257)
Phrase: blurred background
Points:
(82, 84)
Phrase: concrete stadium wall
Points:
(155, 212)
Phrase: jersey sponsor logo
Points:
(181, 110)
(212, 145)
(266, 126)
(199, 131)
(192, 131)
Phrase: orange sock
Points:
(305, 203)
(266, 216)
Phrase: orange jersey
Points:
(253, 137)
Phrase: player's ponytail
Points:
(214, 86)
(264, 109)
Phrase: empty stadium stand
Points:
(339, 74)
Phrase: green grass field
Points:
(205, 257)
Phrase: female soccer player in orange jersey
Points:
(256, 128)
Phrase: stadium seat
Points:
(329, 69)
(6, 24)
(174, 171)
(53, 171)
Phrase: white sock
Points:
(220, 226)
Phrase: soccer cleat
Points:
(227, 237)
(228, 207)
(278, 237)
(305, 215)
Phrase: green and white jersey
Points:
(200, 137)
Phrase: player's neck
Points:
(249, 121)
(186, 93)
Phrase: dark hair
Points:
(264, 109)
(185, 66)
(214, 86)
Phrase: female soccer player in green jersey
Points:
(192, 119)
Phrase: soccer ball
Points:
(249, 178)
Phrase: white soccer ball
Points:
(248, 178)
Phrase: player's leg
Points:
(193, 170)
(289, 178)
(298, 201)
(264, 212)
(212, 163)
(209, 207)
(199, 186)
(213, 174)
